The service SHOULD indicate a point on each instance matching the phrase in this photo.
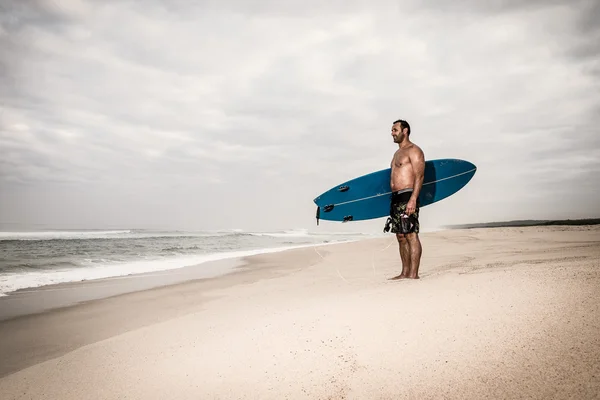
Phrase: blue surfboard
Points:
(368, 196)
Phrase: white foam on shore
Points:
(15, 281)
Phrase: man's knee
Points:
(411, 237)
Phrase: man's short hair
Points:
(403, 124)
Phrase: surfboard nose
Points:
(465, 165)
(471, 165)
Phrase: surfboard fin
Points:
(318, 214)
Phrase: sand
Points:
(506, 313)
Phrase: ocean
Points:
(37, 258)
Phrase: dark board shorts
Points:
(398, 222)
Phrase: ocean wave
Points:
(141, 234)
(61, 235)
(11, 281)
(112, 234)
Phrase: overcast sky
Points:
(220, 114)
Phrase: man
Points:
(408, 169)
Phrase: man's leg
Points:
(404, 256)
(414, 245)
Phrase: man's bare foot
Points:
(398, 277)
(413, 277)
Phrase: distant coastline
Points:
(528, 222)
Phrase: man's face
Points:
(397, 133)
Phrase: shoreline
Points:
(503, 312)
(41, 299)
(59, 319)
(223, 264)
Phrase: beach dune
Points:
(499, 313)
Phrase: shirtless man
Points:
(408, 168)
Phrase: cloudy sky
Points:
(178, 114)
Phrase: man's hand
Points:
(411, 206)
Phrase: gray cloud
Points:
(493, 6)
(170, 110)
(589, 17)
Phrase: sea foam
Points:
(10, 282)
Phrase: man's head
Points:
(400, 130)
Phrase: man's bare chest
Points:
(400, 160)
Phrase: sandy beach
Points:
(502, 313)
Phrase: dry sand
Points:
(498, 313)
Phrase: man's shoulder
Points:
(414, 148)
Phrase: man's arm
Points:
(417, 160)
